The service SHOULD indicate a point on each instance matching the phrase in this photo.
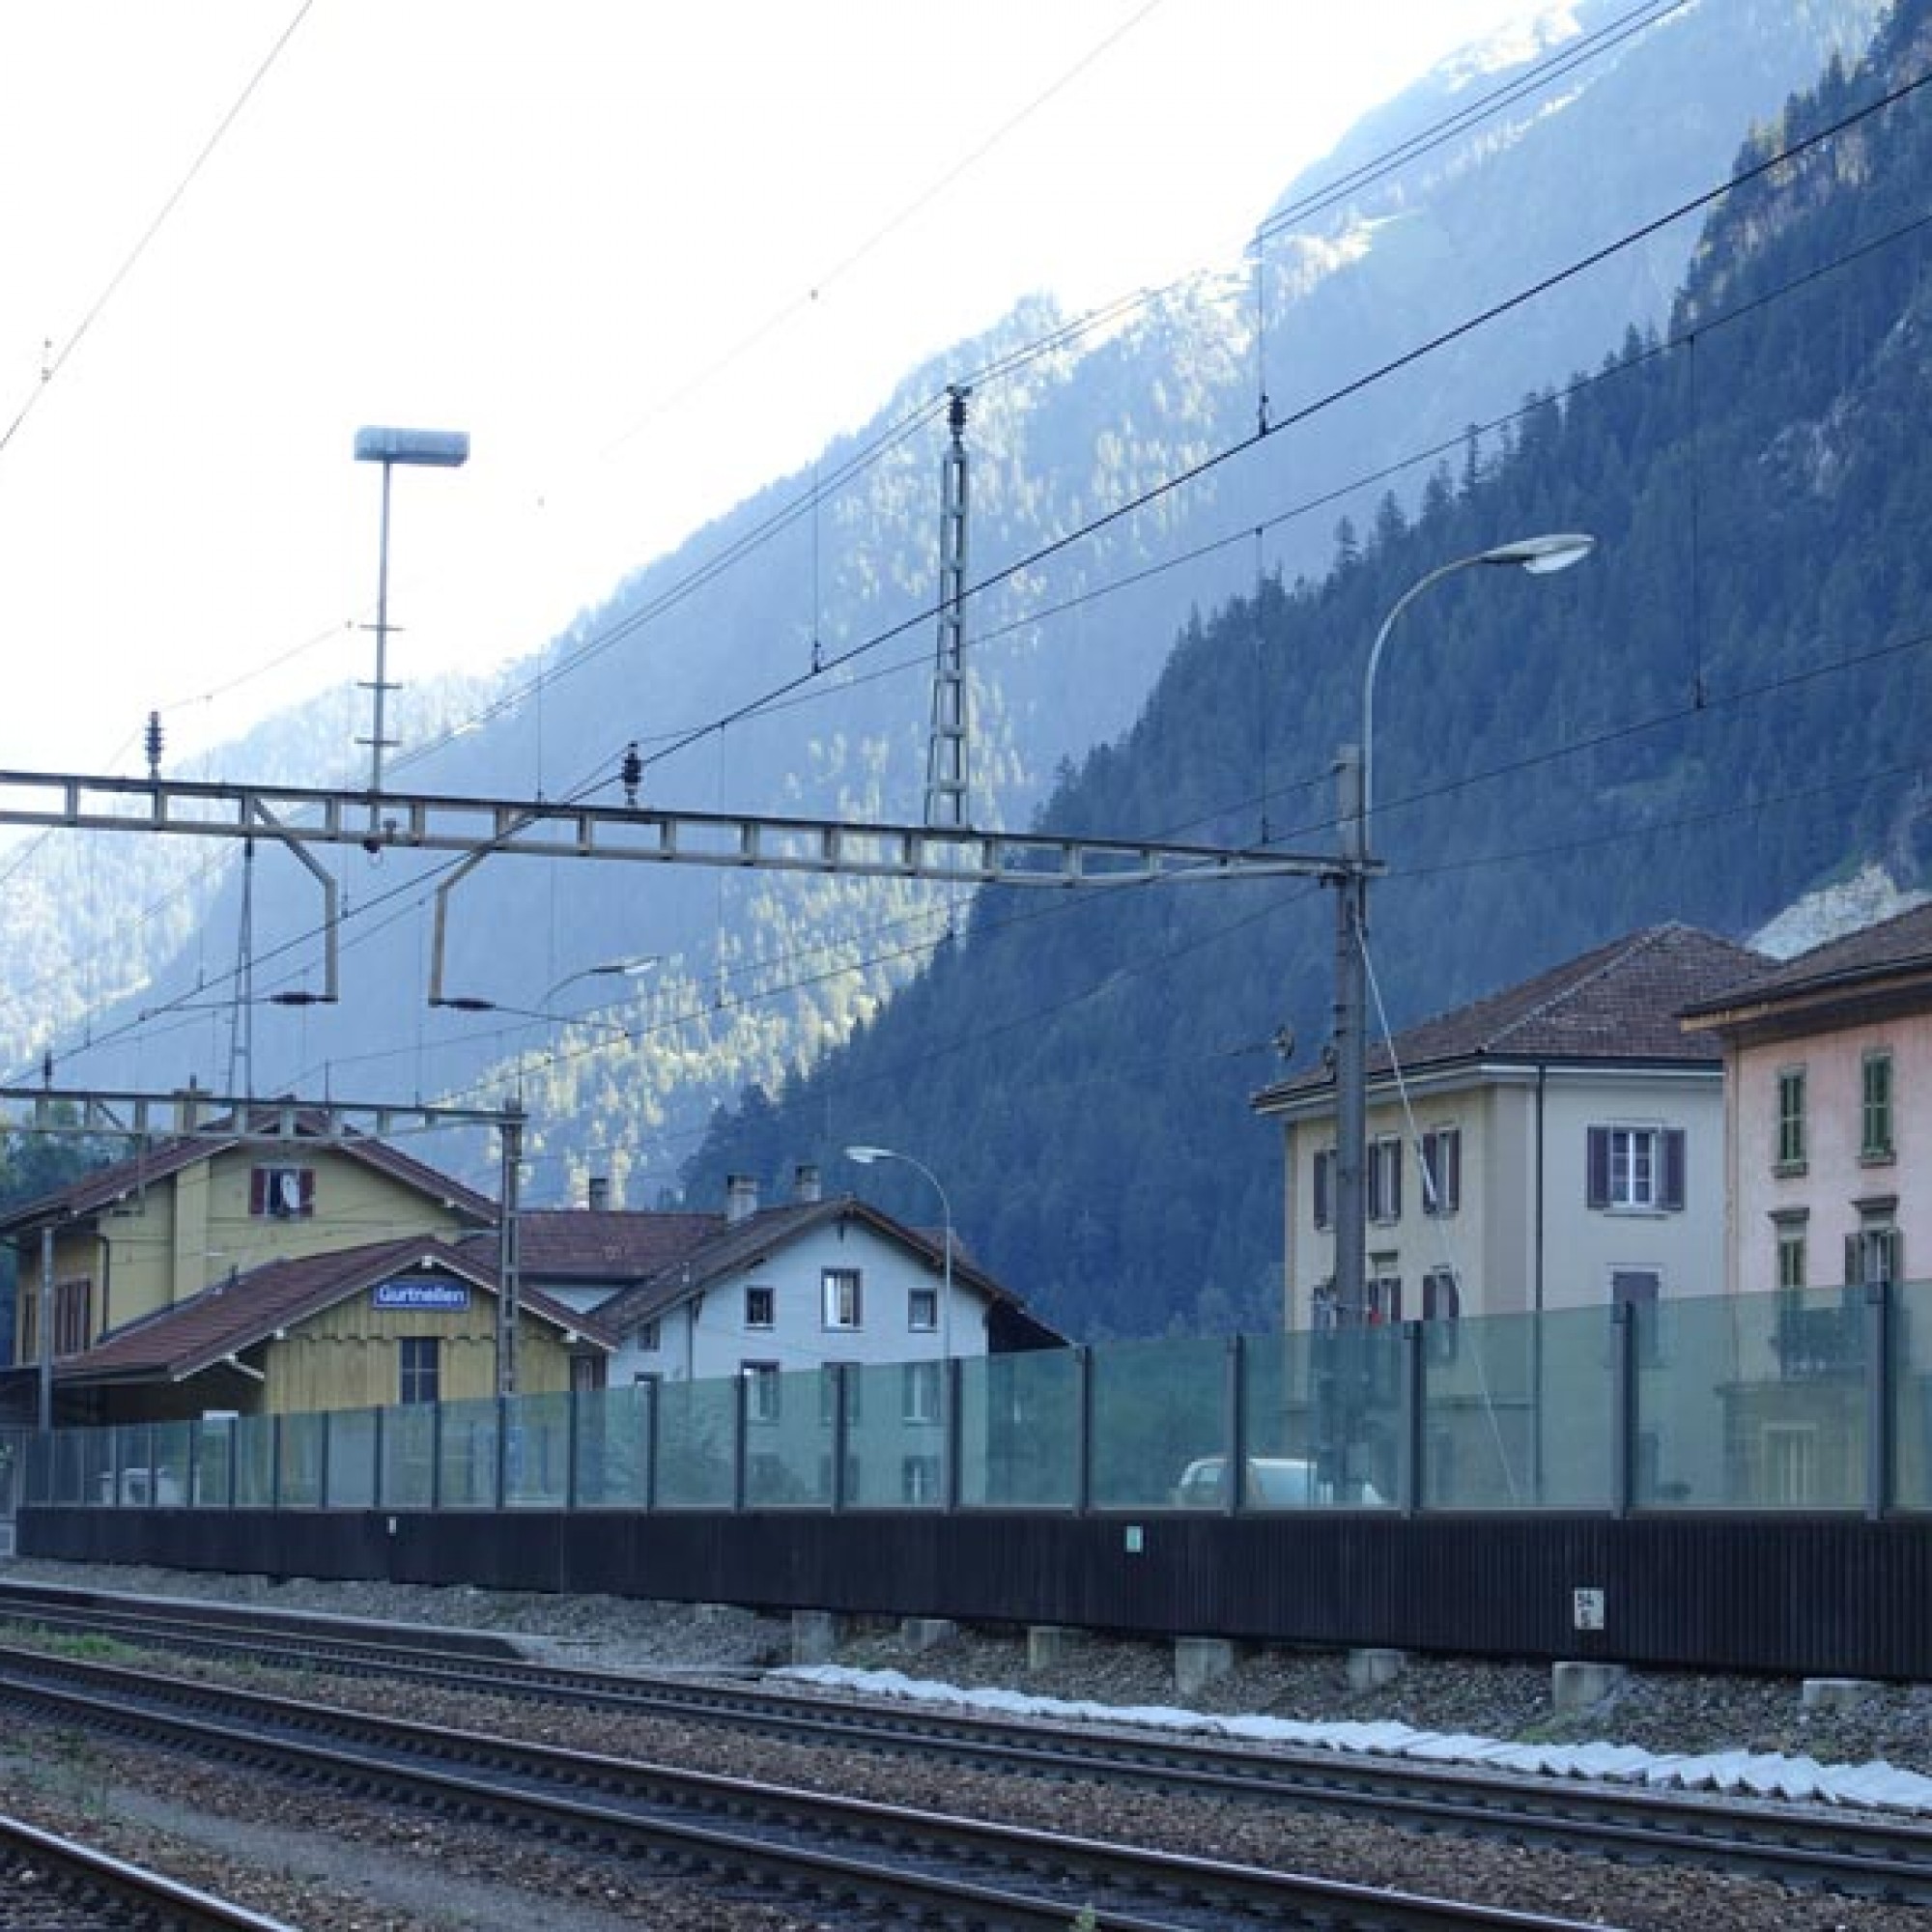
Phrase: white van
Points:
(1274, 1481)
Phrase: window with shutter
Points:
(1442, 1171)
(1635, 1169)
(1322, 1186)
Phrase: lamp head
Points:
(867, 1155)
(1543, 557)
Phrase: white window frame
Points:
(764, 1391)
(841, 1299)
(923, 1311)
(762, 1313)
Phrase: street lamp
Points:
(419, 448)
(608, 969)
(1540, 556)
(865, 1156)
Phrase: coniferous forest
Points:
(1721, 709)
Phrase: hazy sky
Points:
(649, 256)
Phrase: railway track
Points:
(1811, 1847)
(854, 1853)
(52, 1883)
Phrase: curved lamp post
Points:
(865, 1156)
(1540, 556)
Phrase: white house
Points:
(761, 1290)
(1557, 1144)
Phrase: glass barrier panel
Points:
(82, 1466)
(613, 1447)
(14, 1466)
(1019, 1430)
(408, 1456)
(466, 1454)
(1910, 1396)
(536, 1451)
(1311, 1420)
(213, 1462)
(895, 1435)
(300, 1448)
(1490, 1387)
(698, 1424)
(1160, 1411)
(789, 1439)
(254, 1460)
(352, 1460)
(1751, 1402)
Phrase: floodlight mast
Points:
(422, 449)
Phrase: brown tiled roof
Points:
(105, 1185)
(1894, 947)
(1616, 1005)
(593, 1244)
(238, 1314)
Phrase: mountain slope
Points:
(1717, 710)
(1067, 427)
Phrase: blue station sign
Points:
(441, 1297)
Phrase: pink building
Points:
(1828, 1101)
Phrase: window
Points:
(586, 1374)
(282, 1193)
(840, 1287)
(920, 1391)
(648, 1340)
(919, 1479)
(1385, 1179)
(1382, 1291)
(1791, 1119)
(1872, 1254)
(829, 1381)
(1790, 1463)
(1321, 1187)
(1791, 1254)
(760, 1307)
(761, 1390)
(1638, 1290)
(74, 1302)
(1441, 1311)
(1875, 1135)
(1442, 1171)
(922, 1310)
(1635, 1285)
(1636, 1170)
(420, 1372)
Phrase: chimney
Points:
(741, 1197)
(805, 1184)
(598, 1197)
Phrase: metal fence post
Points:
(1409, 1425)
(275, 1461)
(502, 1457)
(321, 1463)
(1881, 1332)
(1623, 1408)
(949, 1396)
(1083, 1430)
(741, 1411)
(376, 1469)
(571, 1454)
(1236, 1409)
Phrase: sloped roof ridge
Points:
(1612, 959)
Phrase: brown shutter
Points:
(1597, 1178)
(1673, 1167)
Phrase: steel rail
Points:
(1829, 1849)
(113, 1890)
(848, 1849)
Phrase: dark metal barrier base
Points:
(1830, 1596)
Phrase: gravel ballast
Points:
(540, 1887)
